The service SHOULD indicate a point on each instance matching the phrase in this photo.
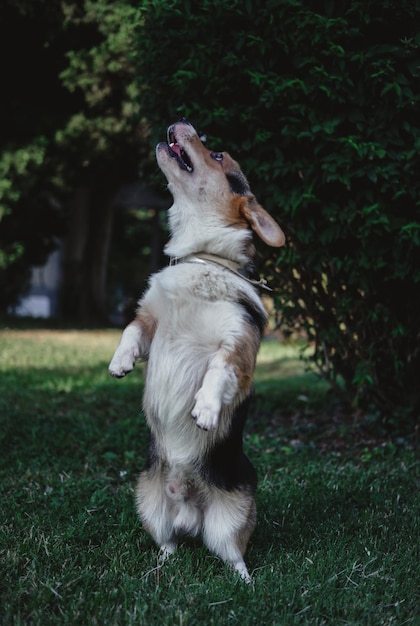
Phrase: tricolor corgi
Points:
(199, 326)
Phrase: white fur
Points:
(199, 327)
(204, 231)
(219, 387)
(127, 352)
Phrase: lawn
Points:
(337, 540)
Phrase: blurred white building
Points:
(42, 298)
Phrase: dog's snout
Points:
(182, 121)
(182, 129)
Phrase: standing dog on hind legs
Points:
(199, 326)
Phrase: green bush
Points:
(319, 102)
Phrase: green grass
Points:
(337, 540)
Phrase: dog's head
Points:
(209, 188)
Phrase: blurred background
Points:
(319, 103)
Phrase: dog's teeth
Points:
(175, 148)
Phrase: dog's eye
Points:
(217, 156)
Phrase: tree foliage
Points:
(32, 105)
(107, 130)
(320, 104)
(72, 134)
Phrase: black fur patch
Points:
(226, 465)
(257, 317)
(238, 184)
(152, 457)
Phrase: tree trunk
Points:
(94, 303)
(85, 263)
(73, 253)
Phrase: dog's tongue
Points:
(175, 148)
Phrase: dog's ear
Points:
(262, 223)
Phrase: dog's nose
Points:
(183, 120)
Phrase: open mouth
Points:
(178, 153)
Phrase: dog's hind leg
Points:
(228, 523)
(155, 512)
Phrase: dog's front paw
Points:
(206, 411)
(123, 362)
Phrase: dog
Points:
(199, 326)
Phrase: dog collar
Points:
(242, 272)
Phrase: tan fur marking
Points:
(147, 323)
(229, 165)
(262, 223)
(235, 215)
(243, 535)
(244, 357)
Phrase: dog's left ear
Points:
(262, 223)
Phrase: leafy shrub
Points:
(319, 102)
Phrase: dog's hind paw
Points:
(166, 550)
(241, 568)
